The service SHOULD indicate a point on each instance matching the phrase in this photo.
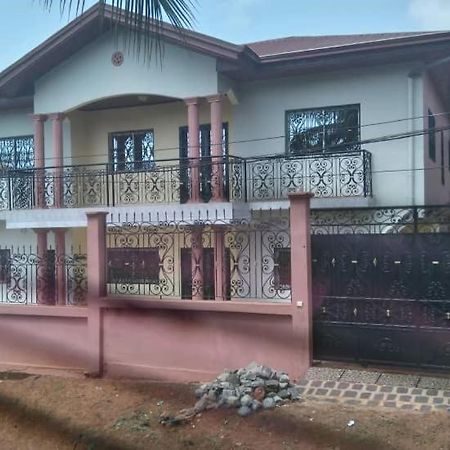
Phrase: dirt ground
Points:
(48, 412)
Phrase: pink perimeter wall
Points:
(43, 336)
(193, 345)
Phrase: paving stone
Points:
(321, 391)
(408, 406)
(446, 394)
(362, 376)
(434, 383)
(348, 394)
(405, 398)
(386, 389)
(329, 384)
(402, 390)
(388, 379)
(310, 392)
(329, 400)
(303, 382)
(372, 387)
(335, 393)
(391, 397)
(373, 403)
(417, 391)
(441, 407)
(324, 374)
(390, 404)
(357, 386)
(438, 401)
(378, 396)
(343, 385)
(365, 395)
(432, 392)
(316, 383)
(421, 399)
(425, 408)
(352, 402)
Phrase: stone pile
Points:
(248, 390)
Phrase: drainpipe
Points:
(412, 92)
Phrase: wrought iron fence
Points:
(340, 174)
(343, 174)
(162, 259)
(27, 277)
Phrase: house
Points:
(212, 134)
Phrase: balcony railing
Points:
(170, 181)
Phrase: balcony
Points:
(343, 174)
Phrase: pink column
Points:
(197, 263)
(301, 279)
(216, 147)
(60, 247)
(42, 288)
(58, 157)
(194, 149)
(96, 281)
(39, 158)
(219, 263)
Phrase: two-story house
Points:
(212, 131)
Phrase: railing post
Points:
(301, 279)
(96, 281)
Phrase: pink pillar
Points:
(39, 158)
(96, 273)
(194, 149)
(216, 147)
(197, 263)
(60, 247)
(42, 288)
(301, 279)
(58, 157)
(219, 263)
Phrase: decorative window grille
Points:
(327, 129)
(133, 265)
(17, 152)
(132, 150)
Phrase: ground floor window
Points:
(133, 265)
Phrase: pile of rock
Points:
(249, 389)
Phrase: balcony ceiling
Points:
(127, 101)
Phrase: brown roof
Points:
(294, 44)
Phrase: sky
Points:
(24, 24)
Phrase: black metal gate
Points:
(381, 280)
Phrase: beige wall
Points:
(90, 129)
(16, 122)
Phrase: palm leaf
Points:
(143, 19)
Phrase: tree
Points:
(142, 18)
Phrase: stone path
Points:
(377, 389)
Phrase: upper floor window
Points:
(132, 150)
(327, 129)
(431, 136)
(17, 152)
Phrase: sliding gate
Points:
(381, 285)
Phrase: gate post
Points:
(96, 281)
(301, 280)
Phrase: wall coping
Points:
(44, 310)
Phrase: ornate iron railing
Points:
(157, 259)
(343, 174)
(29, 278)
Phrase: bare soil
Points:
(48, 412)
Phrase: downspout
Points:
(412, 92)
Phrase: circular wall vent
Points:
(117, 59)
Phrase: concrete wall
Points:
(383, 94)
(43, 337)
(437, 190)
(89, 75)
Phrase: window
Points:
(282, 268)
(431, 136)
(317, 130)
(17, 152)
(5, 266)
(133, 265)
(132, 150)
